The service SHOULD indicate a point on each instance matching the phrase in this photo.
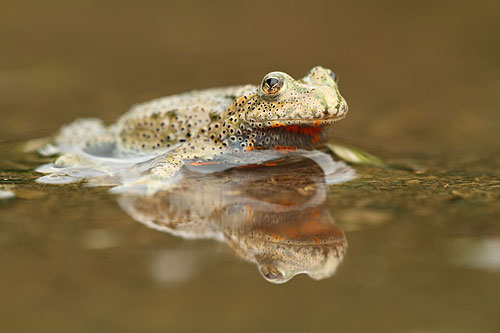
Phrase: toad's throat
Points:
(287, 137)
(311, 131)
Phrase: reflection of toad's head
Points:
(290, 243)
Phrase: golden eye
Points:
(272, 84)
(271, 273)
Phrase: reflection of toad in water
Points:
(274, 216)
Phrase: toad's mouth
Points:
(319, 122)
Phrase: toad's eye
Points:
(273, 274)
(333, 76)
(272, 84)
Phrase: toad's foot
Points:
(164, 172)
(161, 177)
(145, 185)
(79, 160)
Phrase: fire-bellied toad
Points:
(213, 126)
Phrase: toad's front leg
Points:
(162, 173)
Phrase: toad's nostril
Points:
(343, 107)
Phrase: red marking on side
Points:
(202, 163)
(311, 131)
(277, 237)
(251, 166)
(313, 229)
(247, 166)
(293, 128)
(250, 148)
(284, 148)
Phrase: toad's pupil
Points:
(271, 82)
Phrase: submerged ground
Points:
(423, 238)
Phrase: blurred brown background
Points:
(419, 76)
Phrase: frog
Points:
(218, 126)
